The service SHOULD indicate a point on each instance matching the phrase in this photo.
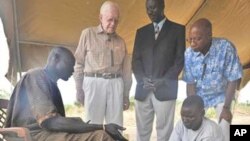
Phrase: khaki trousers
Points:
(103, 100)
(146, 111)
(225, 126)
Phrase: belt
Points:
(102, 75)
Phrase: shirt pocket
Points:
(118, 54)
(214, 81)
(98, 56)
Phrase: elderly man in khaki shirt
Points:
(102, 71)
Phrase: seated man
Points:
(36, 104)
(194, 126)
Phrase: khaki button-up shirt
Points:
(98, 52)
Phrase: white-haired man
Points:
(102, 71)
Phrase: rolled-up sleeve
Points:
(187, 73)
(233, 68)
(80, 56)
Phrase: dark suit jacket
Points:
(161, 58)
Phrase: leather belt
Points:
(102, 75)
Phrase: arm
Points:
(230, 91)
(76, 125)
(175, 70)
(177, 132)
(78, 77)
(79, 67)
(137, 66)
(127, 79)
(233, 72)
(188, 75)
(71, 125)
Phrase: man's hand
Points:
(148, 84)
(226, 114)
(126, 103)
(158, 82)
(80, 96)
(113, 131)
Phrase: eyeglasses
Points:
(190, 40)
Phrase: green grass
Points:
(4, 94)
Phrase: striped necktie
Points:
(157, 31)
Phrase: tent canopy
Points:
(34, 26)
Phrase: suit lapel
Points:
(151, 35)
(164, 30)
(152, 32)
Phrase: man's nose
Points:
(151, 11)
(185, 119)
(114, 22)
(192, 43)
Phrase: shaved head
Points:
(60, 63)
(200, 35)
(193, 101)
(203, 24)
(192, 112)
(155, 10)
(60, 52)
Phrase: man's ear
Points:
(203, 112)
(55, 59)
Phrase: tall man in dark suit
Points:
(158, 58)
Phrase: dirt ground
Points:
(240, 116)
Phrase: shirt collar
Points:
(101, 31)
(211, 50)
(160, 24)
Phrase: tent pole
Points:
(43, 43)
(16, 35)
(202, 5)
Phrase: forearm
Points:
(230, 92)
(78, 83)
(127, 85)
(127, 75)
(78, 76)
(71, 125)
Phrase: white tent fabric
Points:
(4, 52)
(4, 62)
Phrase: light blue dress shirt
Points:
(212, 71)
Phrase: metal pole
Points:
(16, 36)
